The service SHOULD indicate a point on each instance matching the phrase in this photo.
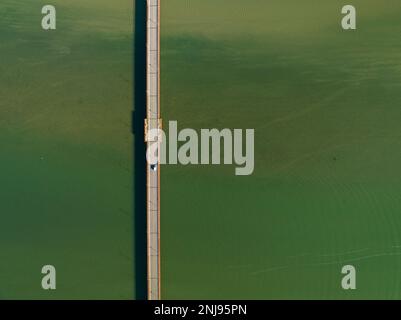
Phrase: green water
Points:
(66, 150)
(325, 191)
(325, 106)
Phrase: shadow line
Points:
(139, 159)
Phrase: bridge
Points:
(152, 122)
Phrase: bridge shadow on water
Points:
(139, 150)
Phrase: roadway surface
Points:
(153, 122)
